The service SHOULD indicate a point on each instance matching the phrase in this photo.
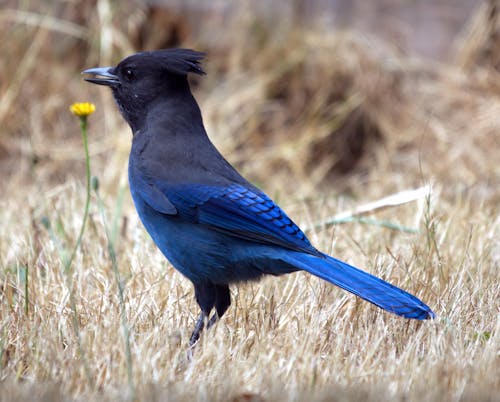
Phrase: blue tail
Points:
(362, 284)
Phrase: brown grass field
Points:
(325, 121)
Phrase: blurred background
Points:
(325, 104)
(340, 96)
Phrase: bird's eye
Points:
(129, 74)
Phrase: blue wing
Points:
(236, 210)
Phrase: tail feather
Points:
(364, 285)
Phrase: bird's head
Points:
(141, 79)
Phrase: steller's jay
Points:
(214, 226)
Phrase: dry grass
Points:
(330, 112)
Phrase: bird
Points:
(215, 227)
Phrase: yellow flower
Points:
(82, 109)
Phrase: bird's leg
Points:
(205, 297)
(198, 328)
(222, 302)
(209, 296)
(213, 320)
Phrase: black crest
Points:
(179, 61)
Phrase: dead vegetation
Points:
(303, 113)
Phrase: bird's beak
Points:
(102, 76)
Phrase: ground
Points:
(325, 122)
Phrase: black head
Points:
(143, 78)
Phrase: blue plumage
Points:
(364, 285)
(214, 226)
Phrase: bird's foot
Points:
(200, 325)
(198, 329)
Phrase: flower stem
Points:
(83, 126)
(69, 261)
